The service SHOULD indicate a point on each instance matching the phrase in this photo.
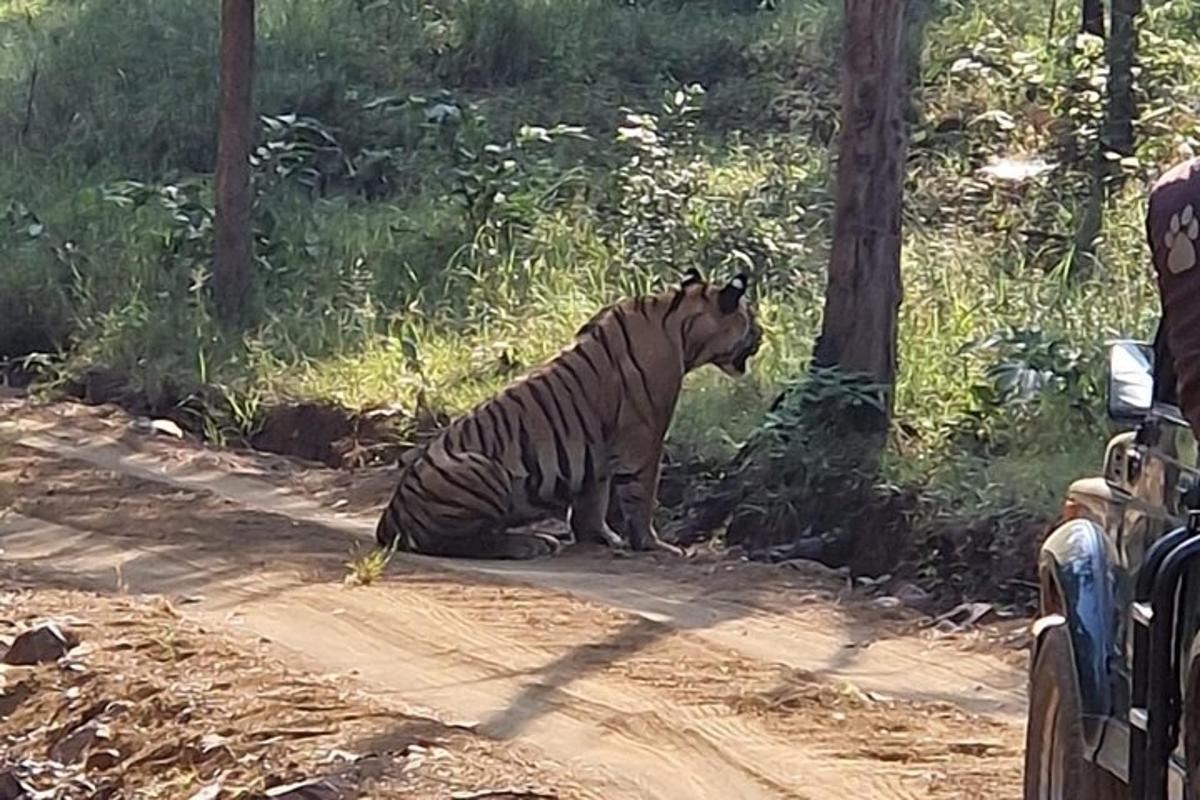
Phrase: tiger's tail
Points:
(518, 546)
(387, 531)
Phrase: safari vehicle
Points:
(1114, 695)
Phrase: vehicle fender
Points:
(1076, 575)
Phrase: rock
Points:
(210, 792)
(44, 644)
(503, 794)
(12, 697)
(167, 427)
(965, 616)
(319, 789)
(11, 787)
(912, 595)
(71, 747)
(103, 759)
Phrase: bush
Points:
(446, 189)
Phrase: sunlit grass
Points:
(395, 303)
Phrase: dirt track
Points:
(642, 678)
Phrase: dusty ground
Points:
(153, 703)
(582, 675)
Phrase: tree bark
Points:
(862, 301)
(1122, 49)
(811, 481)
(235, 137)
(1093, 18)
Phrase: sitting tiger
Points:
(573, 432)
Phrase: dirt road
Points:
(638, 678)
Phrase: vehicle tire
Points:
(1055, 767)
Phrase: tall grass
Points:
(422, 262)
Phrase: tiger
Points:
(573, 435)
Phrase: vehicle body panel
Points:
(1088, 567)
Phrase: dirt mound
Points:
(153, 706)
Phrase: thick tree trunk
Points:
(858, 333)
(1122, 49)
(1093, 17)
(235, 137)
(806, 488)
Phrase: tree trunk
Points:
(1093, 18)
(1117, 136)
(235, 137)
(1122, 49)
(804, 487)
(858, 333)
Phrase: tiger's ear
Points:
(728, 297)
(690, 277)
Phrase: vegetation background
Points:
(445, 190)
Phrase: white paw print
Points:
(1181, 240)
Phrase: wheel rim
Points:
(1052, 767)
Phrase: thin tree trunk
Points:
(1118, 133)
(235, 133)
(1122, 49)
(1093, 18)
(858, 333)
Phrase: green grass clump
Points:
(446, 190)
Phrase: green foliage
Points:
(821, 428)
(446, 190)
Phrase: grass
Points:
(411, 263)
(365, 568)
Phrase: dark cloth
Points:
(1173, 230)
(1164, 369)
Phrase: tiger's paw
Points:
(613, 539)
(659, 544)
(532, 545)
(652, 542)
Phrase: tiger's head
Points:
(718, 326)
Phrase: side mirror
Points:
(1130, 381)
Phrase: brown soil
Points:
(648, 677)
(153, 704)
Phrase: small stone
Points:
(210, 792)
(103, 759)
(167, 427)
(912, 595)
(11, 698)
(916, 597)
(306, 790)
(71, 747)
(44, 644)
(11, 787)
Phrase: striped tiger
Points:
(584, 428)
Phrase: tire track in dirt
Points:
(628, 741)
(530, 663)
(978, 682)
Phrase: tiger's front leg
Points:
(636, 491)
(589, 512)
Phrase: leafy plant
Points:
(1028, 363)
(363, 569)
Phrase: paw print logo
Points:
(1181, 239)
